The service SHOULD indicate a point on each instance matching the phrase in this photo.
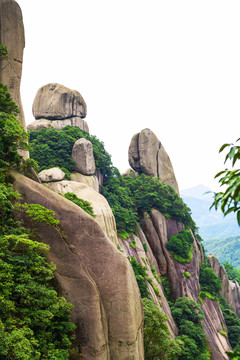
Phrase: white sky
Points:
(172, 66)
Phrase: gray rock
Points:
(147, 155)
(57, 102)
(53, 174)
(82, 153)
(12, 36)
(58, 124)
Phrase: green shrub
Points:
(188, 315)
(155, 273)
(145, 247)
(83, 204)
(209, 281)
(157, 343)
(51, 147)
(187, 274)
(141, 277)
(35, 322)
(180, 246)
(133, 244)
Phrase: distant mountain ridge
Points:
(211, 223)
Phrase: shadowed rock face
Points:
(57, 106)
(230, 290)
(12, 36)
(157, 231)
(147, 155)
(93, 275)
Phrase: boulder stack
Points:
(58, 106)
(147, 155)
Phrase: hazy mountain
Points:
(227, 249)
(211, 223)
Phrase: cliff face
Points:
(12, 36)
(94, 276)
(92, 273)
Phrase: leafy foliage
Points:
(188, 315)
(180, 246)
(35, 322)
(157, 343)
(141, 277)
(209, 281)
(232, 321)
(83, 204)
(229, 200)
(232, 273)
(130, 196)
(51, 147)
(226, 249)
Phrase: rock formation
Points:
(156, 231)
(104, 216)
(230, 290)
(94, 276)
(12, 36)
(147, 155)
(53, 174)
(57, 106)
(91, 272)
(82, 153)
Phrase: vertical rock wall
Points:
(12, 36)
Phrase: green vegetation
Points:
(232, 273)
(51, 147)
(233, 323)
(229, 200)
(83, 204)
(145, 247)
(155, 273)
(186, 274)
(34, 321)
(210, 283)
(188, 315)
(130, 196)
(157, 343)
(180, 246)
(133, 244)
(141, 277)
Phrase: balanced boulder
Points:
(53, 174)
(82, 153)
(147, 155)
(58, 106)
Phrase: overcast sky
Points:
(171, 66)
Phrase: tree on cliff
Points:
(34, 321)
(229, 200)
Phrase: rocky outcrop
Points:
(91, 181)
(148, 260)
(157, 230)
(230, 290)
(147, 155)
(57, 106)
(93, 275)
(53, 174)
(12, 36)
(82, 153)
(104, 216)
